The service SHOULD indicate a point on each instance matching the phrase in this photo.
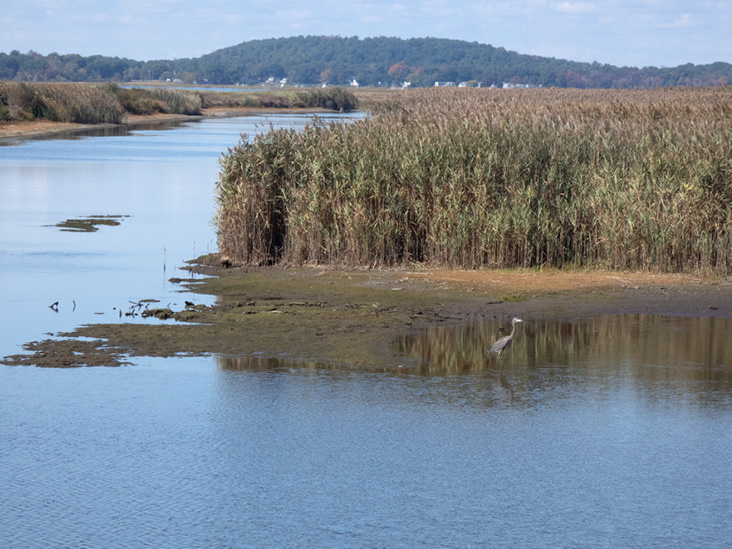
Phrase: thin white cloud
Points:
(686, 20)
(524, 8)
(574, 8)
(292, 16)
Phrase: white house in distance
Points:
(511, 85)
(282, 81)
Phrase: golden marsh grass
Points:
(110, 103)
(78, 103)
(493, 178)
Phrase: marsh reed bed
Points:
(331, 99)
(78, 103)
(110, 103)
(89, 104)
(471, 178)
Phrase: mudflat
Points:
(34, 129)
(350, 317)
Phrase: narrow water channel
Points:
(156, 184)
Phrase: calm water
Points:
(609, 432)
(162, 179)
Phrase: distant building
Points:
(444, 84)
(511, 85)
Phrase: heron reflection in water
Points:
(505, 341)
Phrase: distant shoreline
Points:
(35, 129)
(37, 110)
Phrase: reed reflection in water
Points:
(659, 358)
(491, 391)
(692, 354)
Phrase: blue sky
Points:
(619, 32)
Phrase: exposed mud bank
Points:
(350, 317)
(13, 131)
(36, 129)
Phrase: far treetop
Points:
(382, 61)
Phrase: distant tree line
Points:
(378, 61)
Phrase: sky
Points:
(619, 32)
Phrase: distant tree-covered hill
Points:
(370, 61)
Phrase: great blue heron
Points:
(505, 341)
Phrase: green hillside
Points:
(385, 61)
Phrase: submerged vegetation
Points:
(493, 178)
(110, 103)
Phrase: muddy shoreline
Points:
(39, 129)
(351, 317)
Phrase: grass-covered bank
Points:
(498, 178)
(110, 103)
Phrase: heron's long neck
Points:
(513, 329)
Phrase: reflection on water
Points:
(690, 356)
(659, 358)
(268, 364)
(598, 450)
(694, 355)
(681, 342)
(101, 131)
(488, 389)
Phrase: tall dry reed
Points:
(144, 101)
(332, 99)
(78, 103)
(497, 178)
(109, 103)
(90, 104)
